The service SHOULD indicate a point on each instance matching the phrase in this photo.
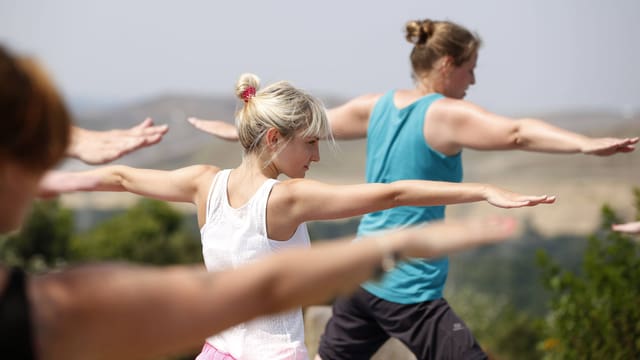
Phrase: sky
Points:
(537, 55)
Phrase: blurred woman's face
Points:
(18, 187)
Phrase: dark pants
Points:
(362, 323)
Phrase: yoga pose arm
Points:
(218, 128)
(451, 125)
(181, 185)
(99, 147)
(629, 228)
(301, 200)
(351, 120)
(118, 311)
(456, 124)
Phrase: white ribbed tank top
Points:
(235, 236)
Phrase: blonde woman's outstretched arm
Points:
(181, 185)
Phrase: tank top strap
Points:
(259, 205)
(217, 191)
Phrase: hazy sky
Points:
(538, 55)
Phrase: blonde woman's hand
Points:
(507, 199)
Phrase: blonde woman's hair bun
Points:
(247, 86)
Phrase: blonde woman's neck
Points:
(257, 167)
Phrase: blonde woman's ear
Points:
(272, 137)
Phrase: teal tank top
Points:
(397, 150)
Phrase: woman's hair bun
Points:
(419, 31)
(247, 86)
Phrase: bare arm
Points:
(301, 200)
(451, 125)
(629, 228)
(218, 128)
(116, 311)
(180, 185)
(351, 120)
(99, 147)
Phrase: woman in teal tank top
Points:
(419, 133)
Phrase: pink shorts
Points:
(211, 353)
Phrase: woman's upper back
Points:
(235, 235)
(397, 150)
(396, 146)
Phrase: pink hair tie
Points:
(248, 93)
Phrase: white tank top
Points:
(235, 236)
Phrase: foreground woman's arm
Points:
(118, 311)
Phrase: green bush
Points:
(596, 312)
(150, 232)
(43, 240)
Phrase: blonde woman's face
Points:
(460, 78)
(298, 154)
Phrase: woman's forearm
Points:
(428, 193)
(537, 135)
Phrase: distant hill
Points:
(582, 182)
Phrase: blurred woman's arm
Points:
(117, 311)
